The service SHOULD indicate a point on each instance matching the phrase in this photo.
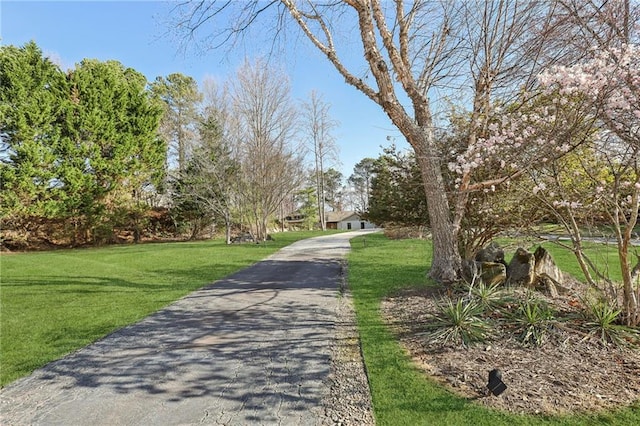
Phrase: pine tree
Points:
(33, 92)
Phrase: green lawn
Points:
(401, 394)
(604, 256)
(55, 302)
(52, 303)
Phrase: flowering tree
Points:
(578, 140)
(520, 140)
(610, 83)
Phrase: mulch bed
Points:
(567, 374)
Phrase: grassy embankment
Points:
(401, 394)
(52, 303)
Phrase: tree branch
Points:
(328, 48)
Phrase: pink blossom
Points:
(539, 187)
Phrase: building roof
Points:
(340, 216)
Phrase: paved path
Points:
(250, 349)
(598, 240)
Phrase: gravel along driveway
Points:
(272, 344)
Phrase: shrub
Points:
(458, 323)
(489, 297)
(602, 322)
(533, 319)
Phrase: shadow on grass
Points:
(162, 279)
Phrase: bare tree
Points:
(318, 126)
(208, 183)
(216, 164)
(406, 50)
(409, 51)
(264, 133)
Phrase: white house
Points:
(346, 221)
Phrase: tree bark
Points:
(446, 263)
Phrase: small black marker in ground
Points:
(496, 385)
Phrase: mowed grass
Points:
(52, 303)
(603, 256)
(401, 394)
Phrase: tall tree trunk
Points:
(319, 189)
(321, 197)
(446, 262)
(227, 227)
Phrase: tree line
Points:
(98, 154)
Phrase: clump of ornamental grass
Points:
(458, 322)
(488, 296)
(533, 318)
(602, 322)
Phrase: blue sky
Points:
(134, 33)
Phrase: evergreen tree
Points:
(180, 97)
(207, 188)
(33, 95)
(397, 196)
(111, 146)
(333, 189)
(79, 148)
(308, 209)
(360, 182)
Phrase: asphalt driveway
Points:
(250, 349)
